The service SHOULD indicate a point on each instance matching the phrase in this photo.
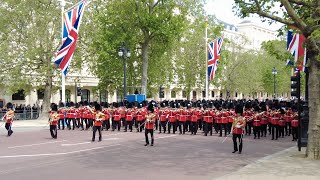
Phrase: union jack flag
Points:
(214, 49)
(295, 47)
(72, 20)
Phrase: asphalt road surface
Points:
(33, 154)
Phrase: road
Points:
(33, 154)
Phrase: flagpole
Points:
(63, 77)
(206, 51)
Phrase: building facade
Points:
(245, 32)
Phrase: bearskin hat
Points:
(239, 108)
(150, 108)
(54, 107)
(105, 105)
(97, 107)
(61, 104)
(9, 105)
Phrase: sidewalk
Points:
(289, 164)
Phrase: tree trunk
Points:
(314, 109)
(144, 79)
(46, 99)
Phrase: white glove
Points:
(148, 120)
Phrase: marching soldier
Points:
(172, 121)
(8, 117)
(163, 120)
(116, 119)
(256, 123)
(238, 126)
(182, 121)
(149, 125)
(129, 118)
(53, 120)
(98, 119)
(294, 125)
(62, 113)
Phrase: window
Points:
(184, 94)
(212, 94)
(85, 95)
(221, 94)
(236, 94)
(18, 95)
(68, 95)
(194, 94)
(103, 96)
(40, 93)
(203, 94)
(173, 94)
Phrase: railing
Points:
(24, 115)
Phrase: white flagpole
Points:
(206, 51)
(63, 77)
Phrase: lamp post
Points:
(274, 72)
(124, 52)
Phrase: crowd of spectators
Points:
(23, 111)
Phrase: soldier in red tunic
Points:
(129, 118)
(8, 117)
(164, 113)
(238, 126)
(149, 125)
(294, 125)
(53, 120)
(62, 113)
(97, 122)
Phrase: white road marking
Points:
(108, 139)
(163, 137)
(56, 154)
(36, 144)
(75, 144)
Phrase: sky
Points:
(223, 11)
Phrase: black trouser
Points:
(163, 124)
(130, 123)
(223, 126)
(248, 128)
(208, 128)
(53, 131)
(156, 124)
(146, 135)
(194, 127)
(235, 145)
(256, 131)
(274, 129)
(62, 123)
(8, 127)
(183, 128)
(95, 128)
(116, 124)
(106, 124)
(73, 123)
(188, 126)
(288, 128)
(200, 123)
(173, 125)
(229, 126)
(294, 133)
(263, 130)
(281, 131)
(216, 127)
(78, 122)
(83, 120)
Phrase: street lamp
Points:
(124, 52)
(274, 72)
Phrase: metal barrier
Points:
(24, 115)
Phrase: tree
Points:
(150, 30)
(28, 40)
(304, 15)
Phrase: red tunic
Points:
(129, 116)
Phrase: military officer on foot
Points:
(238, 126)
(149, 125)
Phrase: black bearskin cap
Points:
(151, 108)
(239, 108)
(97, 107)
(85, 103)
(61, 105)
(54, 107)
(9, 105)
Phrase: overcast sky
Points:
(223, 11)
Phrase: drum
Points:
(237, 131)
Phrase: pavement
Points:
(121, 155)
